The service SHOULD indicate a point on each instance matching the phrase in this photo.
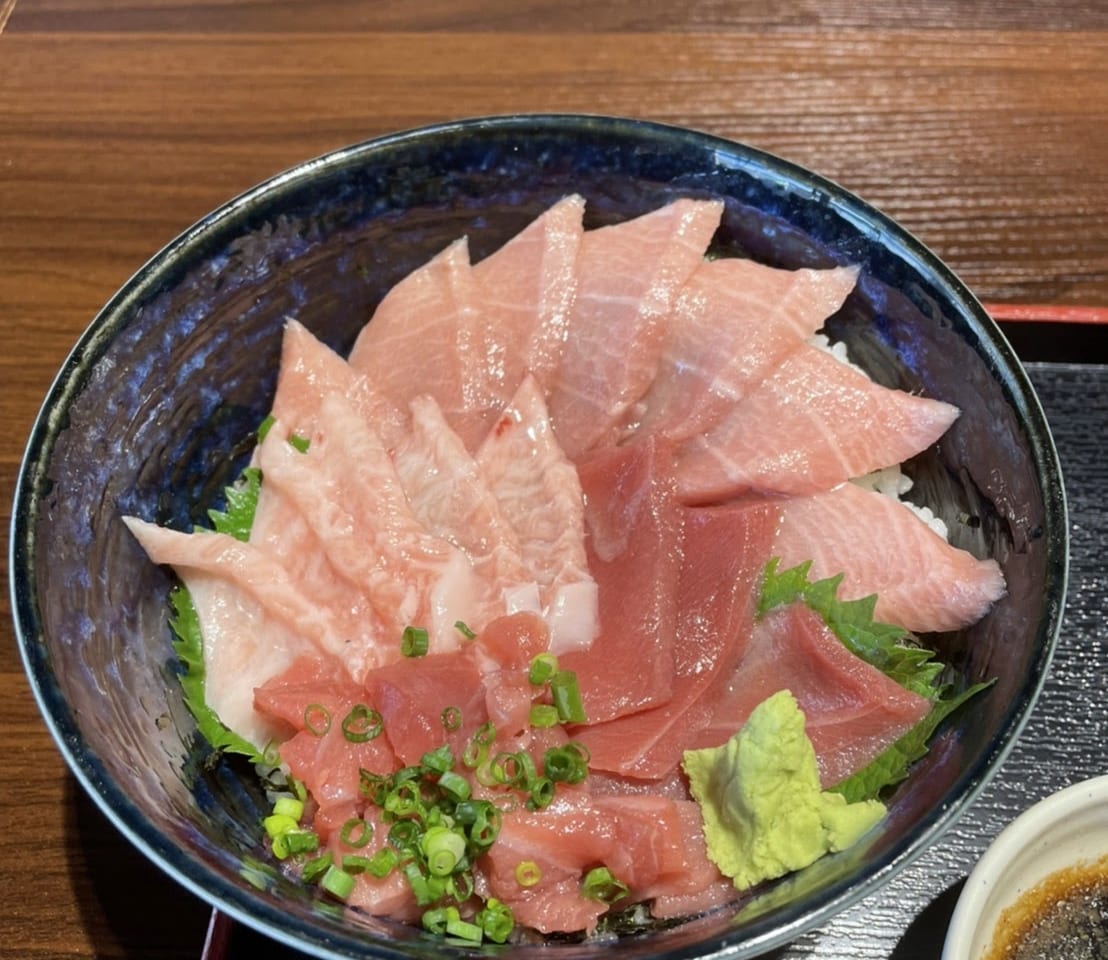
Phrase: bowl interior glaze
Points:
(154, 410)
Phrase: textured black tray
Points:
(1066, 739)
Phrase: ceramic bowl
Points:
(154, 410)
(1068, 829)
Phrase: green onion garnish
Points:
(265, 426)
(435, 920)
(278, 823)
(496, 920)
(362, 723)
(356, 832)
(464, 930)
(566, 697)
(354, 863)
(414, 642)
(300, 841)
(600, 884)
(542, 793)
(337, 882)
(443, 849)
(455, 786)
(317, 719)
(438, 760)
(316, 867)
(451, 718)
(565, 764)
(528, 873)
(289, 807)
(460, 626)
(543, 716)
(543, 668)
(298, 443)
(382, 862)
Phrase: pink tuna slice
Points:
(725, 550)
(701, 887)
(451, 497)
(634, 524)
(309, 371)
(923, 583)
(412, 694)
(733, 324)
(254, 620)
(639, 838)
(852, 710)
(527, 290)
(812, 424)
(426, 332)
(628, 278)
(540, 495)
(322, 758)
(346, 487)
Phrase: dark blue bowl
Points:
(153, 411)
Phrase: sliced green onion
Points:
(443, 850)
(566, 764)
(317, 719)
(362, 723)
(460, 626)
(438, 760)
(496, 920)
(486, 826)
(404, 800)
(356, 832)
(299, 443)
(566, 697)
(404, 834)
(354, 863)
(486, 733)
(426, 889)
(507, 769)
(374, 786)
(543, 667)
(464, 930)
(278, 823)
(298, 789)
(301, 841)
(337, 882)
(455, 786)
(474, 754)
(600, 884)
(451, 719)
(541, 793)
(289, 807)
(414, 642)
(436, 919)
(543, 716)
(460, 885)
(381, 864)
(316, 867)
(528, 873)
(265, 426)
(280, 846)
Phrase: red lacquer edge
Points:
(1046, 313)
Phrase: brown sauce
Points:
(1065, 917)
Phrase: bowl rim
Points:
(1025, 830)
(221, 224)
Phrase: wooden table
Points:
(983, 127)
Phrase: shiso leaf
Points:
(891, 649)
(237, 517)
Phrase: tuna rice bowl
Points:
(565, 568)
(504, 624)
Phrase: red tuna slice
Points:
(412, 694)
(514, 640)
(254, 620)
(309, 371)
(427, 330)
(540, 495)
(923, 583)
(451, 497)
(628, 278)
(638, 838)
(346, 487)
(725, 550)
(634, 524)
(735, 322)
(701, 886)
(527, 290)
(812, 424)
(314, 701)
(852, 710)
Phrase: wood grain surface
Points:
(981, 126)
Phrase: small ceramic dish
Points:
(1066, 830)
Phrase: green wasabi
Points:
(760, 799)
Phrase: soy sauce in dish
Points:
(1065, 917)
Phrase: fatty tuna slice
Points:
(539, 494)
(923, 583)
(527, 289)
(812, 424)
(424, 335)
(634, 543)
(451, 497)
(852, 710)
(345, 486)
(724, 549)
(309, 371)
(733, 324)
(628, 278)
(254, 620)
